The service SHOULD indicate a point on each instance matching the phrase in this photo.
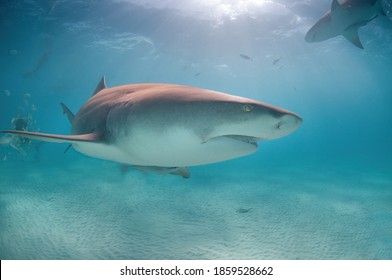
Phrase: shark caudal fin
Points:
(56, 138)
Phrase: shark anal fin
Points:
(56, 138)
(67, 111)
(101, 85)
(351, 34)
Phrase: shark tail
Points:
(56, 138)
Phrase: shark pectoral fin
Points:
(351, 34)
(67, 111)
(182, 171)
(56, 138)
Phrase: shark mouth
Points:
(243, 138)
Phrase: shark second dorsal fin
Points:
(67, 111)
(101, 85)
(351, 34)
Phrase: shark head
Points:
(251, 121)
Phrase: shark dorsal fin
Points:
(351, 34)
(335, 5)
(67, 111)
(101, 85)
(381, 9)
(337, 8)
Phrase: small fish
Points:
(221, 66)
(276, 60)
(244, 56)
(243, 210)
(27, 95)
(197, 74)
(13, 52)
(43, 60)
(7, 92)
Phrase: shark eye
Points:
(247, 108)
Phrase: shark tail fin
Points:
(101, 85)
(351, 34)
(56, 138)
(67, 111)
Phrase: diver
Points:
(22, 145)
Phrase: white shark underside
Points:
(169, 126)
(345, 18)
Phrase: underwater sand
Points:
(87, 209)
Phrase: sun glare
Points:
(223, 9)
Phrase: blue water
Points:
(323, 192)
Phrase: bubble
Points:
(13, 52)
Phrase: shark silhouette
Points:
(345, 18)
(163, 128)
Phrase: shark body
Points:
(166, 126)
(345, 18)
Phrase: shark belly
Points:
(102, 151)
(177, 147)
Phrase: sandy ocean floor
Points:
(89, 210)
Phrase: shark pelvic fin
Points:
(182, 171)
(67, 111)
(351, 34)
(179, 171)
(101, 85)
(56, 138)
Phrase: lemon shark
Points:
(164, 128)
(345, 18)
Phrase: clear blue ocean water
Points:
(323, 192)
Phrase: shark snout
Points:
(285, 125)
